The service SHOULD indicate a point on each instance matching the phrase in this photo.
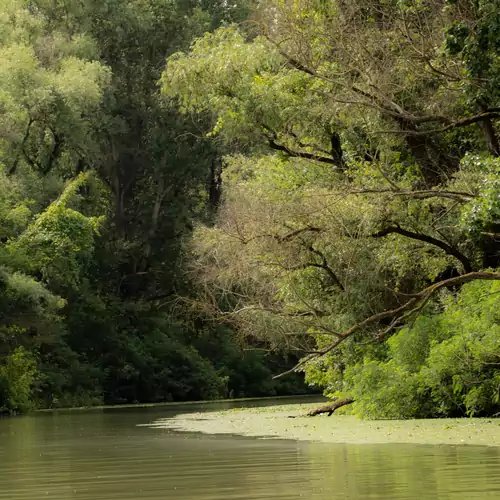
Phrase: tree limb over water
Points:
(397, 315)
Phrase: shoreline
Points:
(274, 422)
(173, 404)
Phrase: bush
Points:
(446, 365)
(17, 375)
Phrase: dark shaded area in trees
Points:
(101, 183)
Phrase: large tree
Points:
(369, 183)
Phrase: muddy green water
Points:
(104, 455)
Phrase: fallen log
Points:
(330, 407)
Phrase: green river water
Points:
(105, 455)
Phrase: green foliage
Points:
(99, 185)
(17, 375)
(362, 167)
(60, 240)
(483, 212)
(478, 44)
(445, 365)
(345, 152)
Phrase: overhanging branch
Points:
(426, 239)
(465, 122)
(398, 315)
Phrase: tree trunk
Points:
(330, 407)
(489, 131)
(215, 184)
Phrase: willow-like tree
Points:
(99, 185)
(365, 193)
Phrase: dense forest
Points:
(101, 183)
(197, 196)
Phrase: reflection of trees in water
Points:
(105, 456)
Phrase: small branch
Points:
(290, 236)
(324, 265)
(421, 194)
(490, 235)
(282, 239)
(395, 323)
(304, 334)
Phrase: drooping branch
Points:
(426, 239)
(398, 315)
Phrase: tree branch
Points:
(324, 265)
(297, 154)
(398, 314)
(487, 115)
(427, 239)
(55, 152)
(330, 407)
(292, 235)
(13, 168)
(394, 110)
(419, 194)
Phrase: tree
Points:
(100, 184)
(366, 193)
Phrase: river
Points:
(105, 455)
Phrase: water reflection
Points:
(104, 456)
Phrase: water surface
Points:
(105, 455)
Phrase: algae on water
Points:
(274, 422)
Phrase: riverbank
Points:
(275, 422)
(173, 404)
